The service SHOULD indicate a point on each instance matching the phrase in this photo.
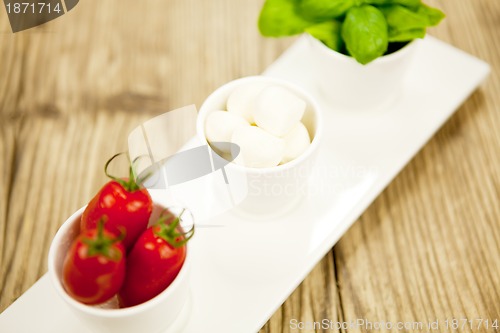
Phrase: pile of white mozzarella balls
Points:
(264, 121)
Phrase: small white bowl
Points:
(347, 84)
(152, 316)
(268, 191)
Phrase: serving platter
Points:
(240, 274)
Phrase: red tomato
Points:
(126, 206)
(94, 267)
(154, 262)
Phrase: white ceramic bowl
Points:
(269, 191)
(347, 84)
(155, 315)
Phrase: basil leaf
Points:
(405, 24)
(325, 9)
(365, 33)
(407, 3)
(434, 15)
(328, 32)
(279, 18)
(406, 35)
(402, 18)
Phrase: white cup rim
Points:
(101, 312)
(381, 60)
(200, 123)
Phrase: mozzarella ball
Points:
(258, 149)
(220, 125)
(277, 110)
(242, 99)
(296, 142)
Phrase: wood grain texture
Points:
(70, 91)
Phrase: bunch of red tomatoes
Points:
(117, 254)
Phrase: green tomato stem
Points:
(102, 244)
(130, 185)
(169, 233)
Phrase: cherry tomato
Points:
(155, 261)
(94, 267)
(127, 207)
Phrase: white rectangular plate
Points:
(244, 271)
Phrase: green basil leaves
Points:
(281, 18)
(363, 28)
(407, 3)
(324, 10)
(329, 33)
(365, 33)
(406, 24)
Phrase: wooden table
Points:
(71, 90)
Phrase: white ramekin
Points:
(347, 84)
(155, 315)
(269, 191)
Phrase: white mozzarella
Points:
(277, 110)
(242, 99)
(296, 142)
(258, 149)
(220, 126)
